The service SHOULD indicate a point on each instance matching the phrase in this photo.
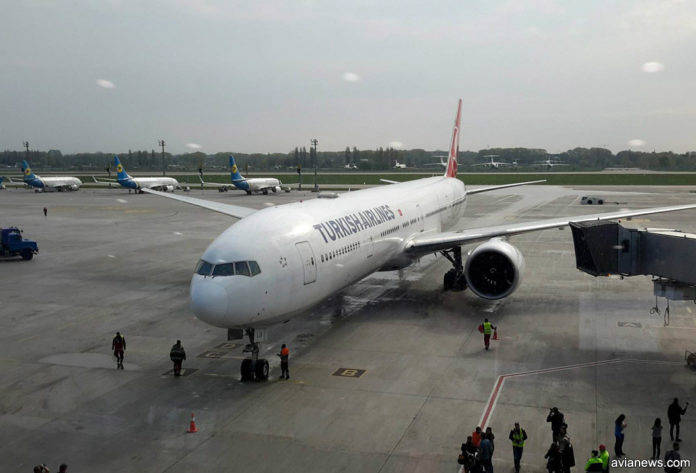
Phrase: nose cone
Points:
(209, 301)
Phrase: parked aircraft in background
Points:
(549, 163)
(399, 165)
(255, 184)
(49, 184)
(494, 164)
(138, 184)
(280, 261)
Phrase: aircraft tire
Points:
(247, 370)
(248, 192)
(261, 369)
(449, 279)
(265, 192)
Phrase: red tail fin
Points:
(454, 146)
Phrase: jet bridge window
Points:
(204, 268)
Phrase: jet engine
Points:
(168, 188)
(494, 269)
(276, 189)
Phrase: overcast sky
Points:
(269, 75)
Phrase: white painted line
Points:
(178, 233)
(111, 256)
(123, 201)
(500, 381)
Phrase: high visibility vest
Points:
(487, 328)
(517, 438)
(604, 456)
(592, 461)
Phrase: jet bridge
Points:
(669, 256)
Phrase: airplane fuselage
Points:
(54, 183)
(163, 183)
(307, 251)
(257, 184)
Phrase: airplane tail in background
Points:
(26, 170)
(120, 172)
(454, 145)
(234, 171)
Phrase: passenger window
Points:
(204, 268)
(254, 266)
(241, 268)
(226, 269)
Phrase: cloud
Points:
(106, 84)
(351, 77)
(636, 142)
(396, 144)
(195, 146)
(653, 67)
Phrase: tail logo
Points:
(27, 171)
(234, 169)
(119, 168)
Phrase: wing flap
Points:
(227, 209)
(445, 240)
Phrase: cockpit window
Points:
(204, 268)
(241, 268)
(226, 269)
(254, 266)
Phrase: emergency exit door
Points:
(309, 264)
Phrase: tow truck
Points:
(12, 244)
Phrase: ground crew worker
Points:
(177, 355)
(517, 436)
(45, 212)
(487, 331)
(594, 463)
(118, 345)
(604, 456)
(284, 365)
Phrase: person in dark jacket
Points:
(177, 355)
(284, 362)
(674, 413)
(487, 454)
(619, 426)
(118, 345)
(556, 418)
(553, 456)
(672, 456)
(656, 438)
(489, 435)
(567, 454)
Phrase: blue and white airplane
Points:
(256, 184)
(49, 184)
(165, 184)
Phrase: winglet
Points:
(454, 145)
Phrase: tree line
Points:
(380, 159)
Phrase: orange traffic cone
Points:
(192, 426)
(495, 334)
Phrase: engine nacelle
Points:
(494, 269)
(168, 188)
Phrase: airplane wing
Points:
(503, 186)
(103, 179)
(387, 181)
(227, 209)
(445, 240)
(214, 184)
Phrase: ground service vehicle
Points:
(12, 244)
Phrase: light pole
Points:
(26, 146)
(315, 142)
(162, 144)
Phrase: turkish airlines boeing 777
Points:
(278, 262)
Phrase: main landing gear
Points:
(253, 368)
(454, 279)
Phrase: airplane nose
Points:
(209, 301)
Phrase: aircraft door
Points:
(309, 263)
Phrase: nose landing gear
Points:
(253, 368)
(454, 279)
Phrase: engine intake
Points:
(494, 269)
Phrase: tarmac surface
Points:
(112, 261)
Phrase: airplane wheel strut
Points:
(454, 279)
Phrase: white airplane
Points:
(139, 184)
(280, 261)
(494, 164)
(256, 184)
(550, 163)
(350, 166)
(49, 184)
(399, 165)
